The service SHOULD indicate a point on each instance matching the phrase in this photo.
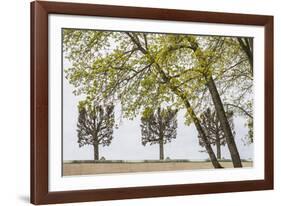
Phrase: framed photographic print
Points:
(131, 102)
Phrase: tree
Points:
(208, 58)
(158, 127)
(95, 126)
(133, 67)
(212, 127)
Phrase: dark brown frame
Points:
(39, 102)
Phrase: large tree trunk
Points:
(200, 130)
(224, 123)
(96, 151)
(218, 146)
(161, 150)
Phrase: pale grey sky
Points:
(126, 144)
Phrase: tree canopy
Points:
(113, 65)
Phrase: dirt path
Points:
(105, 168)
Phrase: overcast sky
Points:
(126, 144)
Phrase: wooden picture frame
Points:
(40, 193)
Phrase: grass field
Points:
(89, 168)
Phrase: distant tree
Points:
(95, 126)
(159, 127)
(213, 129)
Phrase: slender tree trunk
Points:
(218, 145)
(96, 151)
(224, 123)
(208, 147)
(161, 136)
(202, 133)
(161, 150)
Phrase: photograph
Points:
(146, 102)
(131, 102)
